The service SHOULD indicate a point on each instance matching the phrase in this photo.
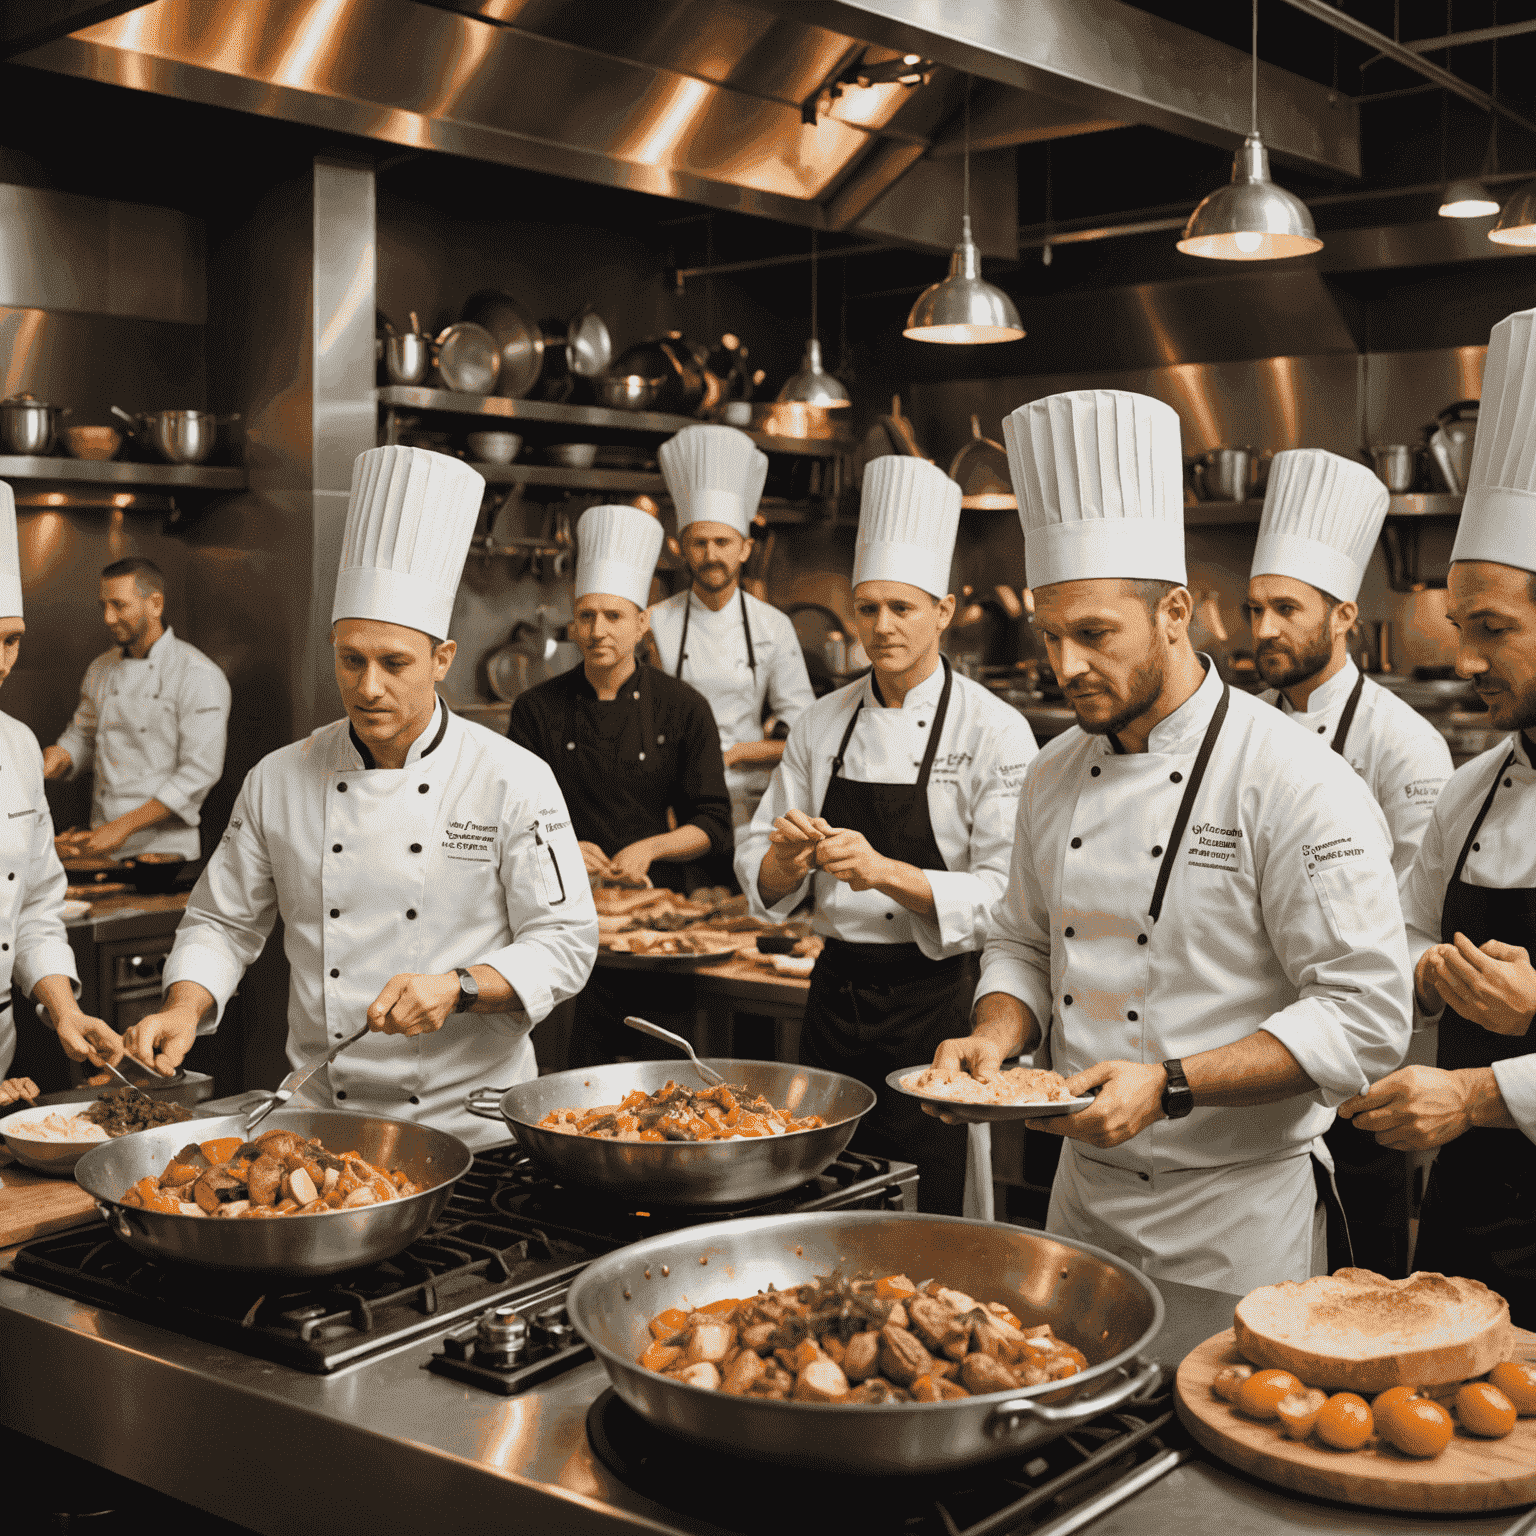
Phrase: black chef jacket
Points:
(616, 796)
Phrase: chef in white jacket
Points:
(1470, 901)
(1322, 517)
(424, 868)
(894, 803)
(1201, 921)
(741, 653)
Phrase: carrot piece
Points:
(652, 1136)
(667, 1323)
(892, 1287)
(660, 1357)
(725, 1307)
(222, 1148)
(147, 1190)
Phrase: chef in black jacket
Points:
(627, 743)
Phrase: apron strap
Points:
(1187, 804)
(1477, 824)
(746, 629)
(1347, 719)
(933, 735)
(842, 746)
(682, 644)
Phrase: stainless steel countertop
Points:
(387, 1445)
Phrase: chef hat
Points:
(10, 559)
(1100, 479)
(1322, 515)
(909, 513)
(715, 475)
(1498, 514)
(616, 551)
(409, 523)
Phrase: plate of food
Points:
(1014, 1092)
(646, 949)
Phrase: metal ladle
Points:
(645, 1027)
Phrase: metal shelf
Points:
(1425, 504)
(185, 477)
(1233, 514)
(595, 479)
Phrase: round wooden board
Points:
(1468, 1476)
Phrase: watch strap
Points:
(1178, 1097)
(469, 990)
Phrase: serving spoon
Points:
(645, 1027)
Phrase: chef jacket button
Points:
(4, 946)
(342, 787)
(338, 1034)
(335, 974)
(1132, 1015)
(890, 916)
(1322, 730)
(415, 847)
(1146, 1178)
(411, 912)
(1093, 772)
(1141, 938)
(570, 746)
(1077, 842)
(1067, 1000)
(341, 1093)
(335, 911)
(642, 757)
(1157, 850)
(415, 1099)
(660, 740)
(1509, 783)
(1070, 932)
(335, 847)
(1475, 847)
(421, 789)
(11, 876)
(1176, 777)
(922, 723)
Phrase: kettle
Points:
(1450, 444)
(1223, 474)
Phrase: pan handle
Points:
(1007, 1418)
(485, 1102)
(119, 1218)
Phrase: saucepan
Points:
(682, 1173)
(179, 437)
(289, 1245)
(1091, 1299)
(29, 425)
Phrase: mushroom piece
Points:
(981, 1373)
(822, 1381)
(902, 1357)
(301, 1186)
(743, 1373)
(703, 1374)
(264, 1180)
(710, 1341)
(861, 1359)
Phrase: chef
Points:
(740, 653)
(894, 803)
(628, 745)
(424, 868)
(1470, 902)
(1201, 921)
(151, 722)
(1322, 517)
(35, 955)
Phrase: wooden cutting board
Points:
(32, 1204)
(1468, 1475)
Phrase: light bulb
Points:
(1247, 240)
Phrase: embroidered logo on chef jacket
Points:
(473, 842)
(1349, 890)
(1215, 847)
(1419, 790)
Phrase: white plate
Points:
(75, 909)
(56, 1157)
(988, 1113)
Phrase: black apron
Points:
(1479, 1213)
(875, 1007)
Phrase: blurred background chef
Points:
(424, 868)
(1201, 920)
(34, 950)
(1322, 517)
(637, 756)
(151, 723)
(741, 653)
(895, 803)
(1470, 901)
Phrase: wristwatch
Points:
(469, 994)
(1178, 1096)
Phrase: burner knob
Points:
(502, 1338)
(552, 1329)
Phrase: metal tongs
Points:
(129, 1083)
(645, 1027)
(296, 1079)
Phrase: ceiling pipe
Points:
(1478, 35)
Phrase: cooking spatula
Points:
(296, 1079)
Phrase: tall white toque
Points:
(1498, 514)
(1100, 479)
(616, 552)
(1322, 516)
(909, 512)
(715, 475)
(10, 556)
(409, 523)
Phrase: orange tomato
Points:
(1259, 1397)
(222, 1148)
(894, 1287)
(1416, 1426)
(1484, 1410)
(1298, 1412)
(1345, 1422)
(1516, 1379)
(665, 1324)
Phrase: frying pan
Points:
(682, 1173)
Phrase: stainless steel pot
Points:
(1223, 474)
(1397, 466)
(627, 391)
(407, 358)
(296, 1245)
(179, 437)
(682, 1173)
(1107, 1309)
(28, 425)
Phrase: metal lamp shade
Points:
(1467, 199)
(1517, 223)
(964, 309)
(813, 385)
(1250, 219)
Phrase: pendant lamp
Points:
(812, 384)
(964, 309)
(1517, 223)
(1250, 219)
(1467, 197)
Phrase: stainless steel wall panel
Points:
(156, 264)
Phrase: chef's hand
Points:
(633, 862)
(162, 1039)
(847, 856)
(595, 860)
(979, 1055)
(86, 1039)
(14, 1088)
(1413, 1108)
(414, 1005)
(1425, 993)
(102, 840)
(792, 845)
(56, 762)
(1130, 1098)
(1494, 986)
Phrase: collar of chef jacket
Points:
(166, 642)
(926, 693)
(1334, 692)
(1183, 729)
(429, 740)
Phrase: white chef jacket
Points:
(33, 943)
(1504, 856)
(971, 797)
(463, 857)
(1398, 753)
(153, 729)
(1281, 914)
(716, 664)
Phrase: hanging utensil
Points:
(1451, 444)
(980, 469)
(468, 358)
(518, 339)
(645, 1027)
(296, 1079)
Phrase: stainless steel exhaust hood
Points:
(743, 104)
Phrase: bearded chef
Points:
(894, 803)
(1470, 902)
(1322, 517)
(1201, 921)
(424, 868)
(740, 653)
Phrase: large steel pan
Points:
(1107, 1309)
(685, 1173)
(292, 1245)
